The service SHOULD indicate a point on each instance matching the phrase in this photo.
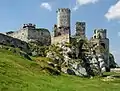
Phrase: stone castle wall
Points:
(13, 42)
(61, 39)
(39, 35)
(62, 29)
(99, 40)
(31, 34)
(22, 34)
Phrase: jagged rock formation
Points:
(61, 56)
(66, 57)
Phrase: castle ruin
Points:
(29, 33)
(99, 43)
(61, 32)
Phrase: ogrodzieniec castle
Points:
(61, 34)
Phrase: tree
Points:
(112, 61)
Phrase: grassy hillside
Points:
(20, 74)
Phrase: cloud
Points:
(76, 7)
(113, 12)
(46, 5)
(83, 2)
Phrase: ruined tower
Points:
(80, 29)
(100, 44)
(62, 28)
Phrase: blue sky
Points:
(96, 13)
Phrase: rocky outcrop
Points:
(97, 64)
(65, 57)
(68, 64)
(13, 42)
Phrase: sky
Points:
(96, 14)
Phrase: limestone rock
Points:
(68, 65)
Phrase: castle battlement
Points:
(100, 33)
(80, 23)
(64, 10)
(29, 25)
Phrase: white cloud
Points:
(46, 5)
(83, 2)
(113, 12)
(76, 7)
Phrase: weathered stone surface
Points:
(13, 42)
(68, 65)
(29, 33)
(98, 64)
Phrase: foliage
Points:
(16, 51)
(56, 49)
(68, 45)
(37, 50)
(112, 61)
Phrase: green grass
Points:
(20, 74)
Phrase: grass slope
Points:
(19, 74)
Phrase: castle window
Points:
(102, 44)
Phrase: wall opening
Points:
(103, 44)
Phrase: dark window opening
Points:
(102, 44)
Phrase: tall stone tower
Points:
(62, 29)
(63, 17)
(80, 29)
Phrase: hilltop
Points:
(20, 74)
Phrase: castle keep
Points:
(61, 32)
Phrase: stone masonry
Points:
(13, 42)
(29, 33)
(80, 29)
(62, 29)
